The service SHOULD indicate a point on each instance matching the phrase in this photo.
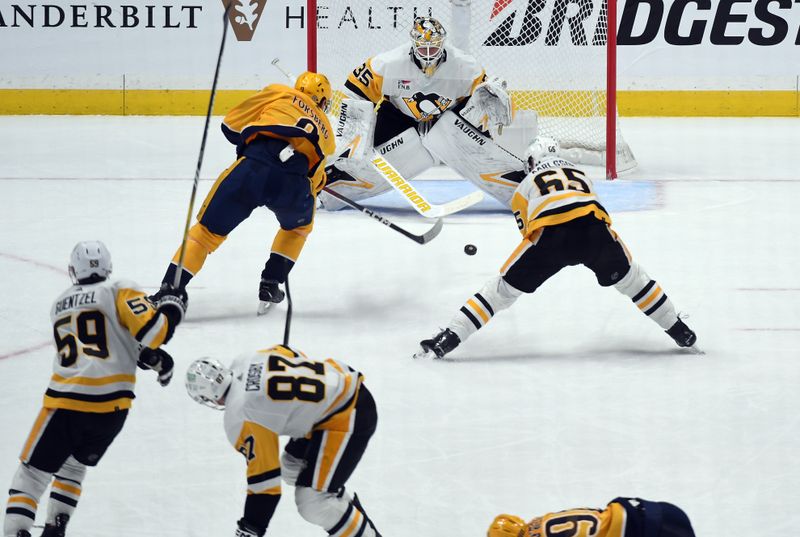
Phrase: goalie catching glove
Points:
(159, 361)
(489, 105)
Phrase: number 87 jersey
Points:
(280, 392)
(553, 193)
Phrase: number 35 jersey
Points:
(553, 193)
(99, 330)
(280, 392)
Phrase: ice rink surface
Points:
(570, 398)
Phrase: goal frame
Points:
(611, 75)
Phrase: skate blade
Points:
(694, 349)
(263, 308)
(424, 355)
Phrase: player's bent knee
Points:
(499, 293)
(72, 470)
(633, 281)
(201, 234)
(322, 509)
(30, 481)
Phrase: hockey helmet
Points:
(541, 147)
(506, 526)
(208, 381)
(317, 86)
(90, 260)
(427, 43)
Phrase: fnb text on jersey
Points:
(98, 16)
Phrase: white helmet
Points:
(541, 147)
(89, 258)
(207, 382)
(427, 43)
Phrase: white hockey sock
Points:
(648, 296)
(27, 487)
(66, 489)
(479, 309)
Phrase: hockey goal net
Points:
(558, 57)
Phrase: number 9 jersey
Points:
(99, 330)
(553, 193)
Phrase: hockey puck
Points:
(470, 249)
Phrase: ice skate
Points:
(436, 347)
(269, 293)
(58, 528)
(684, 336)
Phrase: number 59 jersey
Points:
(553, 193)
(99, 330)
(288, 394)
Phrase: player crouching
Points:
(326, 410)
(623, 517)
(562, 223)
(103, 329)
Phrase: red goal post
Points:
(558, 56)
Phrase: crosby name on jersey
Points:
(395, 76)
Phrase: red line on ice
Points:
(33, 262)
(25, 351)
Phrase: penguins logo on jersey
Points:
(426, 105)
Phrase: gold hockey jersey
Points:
(99, 330)
(609, 522)
(281, 112)
(553, 193)
(279, 392)
(394, 76)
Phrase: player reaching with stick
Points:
(282, 137)
(562, 223)
(103, 329)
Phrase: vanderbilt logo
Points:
(244, 16)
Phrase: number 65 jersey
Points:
(280, 392)
(99, 330)
(553, 193)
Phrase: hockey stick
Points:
(288, 314)
(276, 63)
(179, 269)
(415, 199)
(425, 238)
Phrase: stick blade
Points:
(433, 232)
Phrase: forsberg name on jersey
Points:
(312, 113)
(73, 301)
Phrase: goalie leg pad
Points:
(648, 296)
(66, 489)
(479, 309)
(27, 487)
(475, 156)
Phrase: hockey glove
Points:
(159, 361)
(245, 529)
(172, 303)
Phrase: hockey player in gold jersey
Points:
(282, 137)
(323, 406)
(102, 329)
(622, 517)
(562, 223)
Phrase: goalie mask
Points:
(541, 147)
(506, 526)
(208, 381)
(90, 261)
(427, 43)
(317, 86)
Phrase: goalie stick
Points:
(425, 238)
(179, 268)
(399, 183)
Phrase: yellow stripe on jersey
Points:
(260, 448)
(281, 112)
(365, 82)
(137, 314)
(654, 293)
(477, 81)
(66, 488)
(90, 381)
(479, 310)
(22, 499)
(66, 403)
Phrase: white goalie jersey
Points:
(394, 75)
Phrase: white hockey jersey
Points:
(279, 392)
(99, 330)
(394, 75)
(553, 193)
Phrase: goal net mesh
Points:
(551, 52)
